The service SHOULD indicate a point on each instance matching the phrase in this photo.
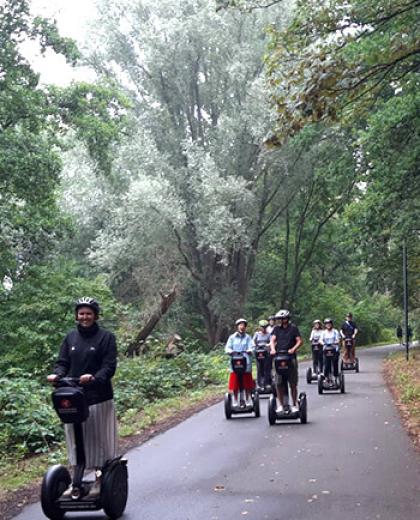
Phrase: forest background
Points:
(231, 159)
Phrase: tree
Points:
(199, 182)
(337, 59)
(32, 120)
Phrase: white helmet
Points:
(241, 320)
(282, 313)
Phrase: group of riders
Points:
(278, 335)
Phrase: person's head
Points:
(328, 322)
(272, 320)
(241, 325)
(349, 316)
(283, 317)
(87, 311)
(317, 324)
(263, 324)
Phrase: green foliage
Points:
(32, 120)
(29, 423)
(142, 380)
(337, 58)
(38, 312)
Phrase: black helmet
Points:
(283, 313)
(88, 302)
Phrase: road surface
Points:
(352, 461)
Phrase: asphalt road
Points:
(352, 461)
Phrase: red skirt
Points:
(249, 383)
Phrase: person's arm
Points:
(311, 336)
(297, 345)
(229, 346)
(321, 339)
(109, 362)
(356, 330)
(273, 342)
(250, 345)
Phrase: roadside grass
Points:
(403, 377)
(18, 474)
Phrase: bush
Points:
(28, 421)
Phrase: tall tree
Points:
(200, 183)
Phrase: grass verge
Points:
(403, 379)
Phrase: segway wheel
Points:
(320, 385)
(357, 365)
(342, 386)
(256, 404)
(303, 408)
(272, 410)
(309, 375)
(114, 490)
(342, 365)
(56, 480)
(228, 405)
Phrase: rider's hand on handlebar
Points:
(86, 378)
(52, 378)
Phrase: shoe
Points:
(279, 409)
(249, 402)
(95, 489)
(294, 409)
(67, 492)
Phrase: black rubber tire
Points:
(309, 375)
(320, 387)
(114, 490)
(56, 480)
(228, 405)
(357, 365)
(257, 405)
(342, 384)
(272, 410)
(342, 365)
(303, 408)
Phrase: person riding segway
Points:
(263, 359)
(241, 397)
(284, 344)
(348, 333)
(313, 372)
(331, 378)
(83, 399)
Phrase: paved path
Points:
(352, 461)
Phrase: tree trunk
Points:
(166, 300)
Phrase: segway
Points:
(348, 365)
(262, 356)
(60, 492)
(232, 407)
(327, 382)
(313, 372)
(282, 366)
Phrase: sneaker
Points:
(67, 492)
(294, 409)
(249, 402)
(95, 489)
(279, 409)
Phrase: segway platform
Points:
(287, 414)
(347, 365)
(331, 385)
